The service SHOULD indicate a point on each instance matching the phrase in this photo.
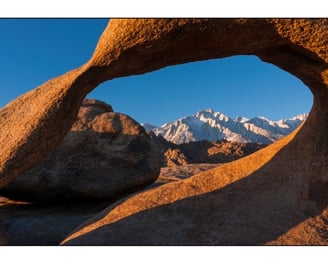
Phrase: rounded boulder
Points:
(104, 155)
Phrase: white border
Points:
(167, 8)
(163, 8)
(165, 255)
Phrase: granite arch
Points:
(136, 46)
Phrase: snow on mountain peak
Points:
(263, 118)
(209, 114)
(302, 117)
(210, 125)
(208, 110)
(241, 119)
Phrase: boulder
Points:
(174, 157)
(32, 125)
(239, 203)
(104, 155)
(253, 200)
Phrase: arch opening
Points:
(201, 105)
(237, 86)
(297, 46)
(286, 181)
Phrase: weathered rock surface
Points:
(3, 237)
(218, 152)
(202, 151)
(36, 122)
(104, 155)
(174, 157)
(254, 200)
(214, 208)
(171, 155)
(177, 173)
(48, 224)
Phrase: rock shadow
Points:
(254, 210)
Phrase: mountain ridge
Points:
(212, 126)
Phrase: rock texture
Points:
(174, 157)
(217, 152)
(176, 173)
(36, 122)
(3, 237)
(104, 155)
(238, 203)
(253, 200)
(202, 151)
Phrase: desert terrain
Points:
(74, 172)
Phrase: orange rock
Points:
(174, 157)
(253, 200)
(250, 201)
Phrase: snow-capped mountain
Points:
(148, 127)
(210, 125)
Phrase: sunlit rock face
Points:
(255, 200)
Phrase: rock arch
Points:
(292, 173)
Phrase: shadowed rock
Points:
(104, 155)
(40, 225)
(246, 202)
(36, 122)
(257, 199)
(283, 185)
(202, 151)
(3, 239)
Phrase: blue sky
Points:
(33, 51)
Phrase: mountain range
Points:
(212, 126)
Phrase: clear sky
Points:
(33, 51)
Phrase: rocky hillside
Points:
(204, 151)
